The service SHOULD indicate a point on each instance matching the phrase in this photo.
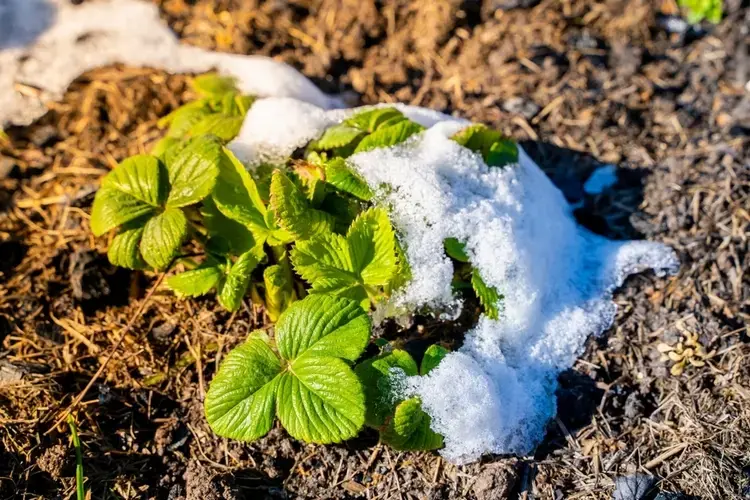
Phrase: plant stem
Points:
(80, 493)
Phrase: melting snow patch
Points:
(601, 179)
(496, 394)
(48, 43)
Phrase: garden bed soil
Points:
(579, 83)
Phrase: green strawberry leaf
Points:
(496, 150)
(377, 377)
(238, 238)
(321, 400)
(488, 295)
(310, 176)
(698, 10)
(213, 85)
(293, 210)
(372, 244)
(164, 145)
(389, 136)
(227, 104)
(162, 237)
(123, 251)
(325, 262)
(279, 290)
(236, 195)
(172, 151)
(371, 120)
(242, 104)
(503, 152)
(323, 325)
(198, 281)
(140, 176)
(220, 125)
(241, 401)
(234, 287)
(193, 171)
(315, 393)
(337, 136)
(181, 119)
(403, 270)
(342, 177)
(113, 208)
(409, 429)
(479, 138)
(344, 210)
(351, 266)
(455, 250)
(432, 357)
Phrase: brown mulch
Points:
(580, 83)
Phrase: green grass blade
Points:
(80, 493)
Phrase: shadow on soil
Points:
(611, 213)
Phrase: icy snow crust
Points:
(496, 394)
(48, 43)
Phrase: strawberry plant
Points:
(307, 240)
(219, 110)
(698, 10)
(303, 376)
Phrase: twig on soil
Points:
(664, 456)
(111, 354)
(195, 351)
(395, 474)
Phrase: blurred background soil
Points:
(580, 83)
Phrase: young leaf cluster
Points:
(305, 240)
(219, 110)
(467, 277)
(375, 128)
(146, 199)
(402, 423)
(496, 150)
(698, 10)
(303, 376)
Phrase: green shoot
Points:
(80, 492)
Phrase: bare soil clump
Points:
(580, 84)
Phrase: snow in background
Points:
(46, 44)
(496, 394)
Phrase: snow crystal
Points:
(496, 394)
(601, 179)
(48, 43)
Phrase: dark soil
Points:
(580, 83)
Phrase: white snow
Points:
(496, 394)
(46, 44)
(275, 127)
(601, 179)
